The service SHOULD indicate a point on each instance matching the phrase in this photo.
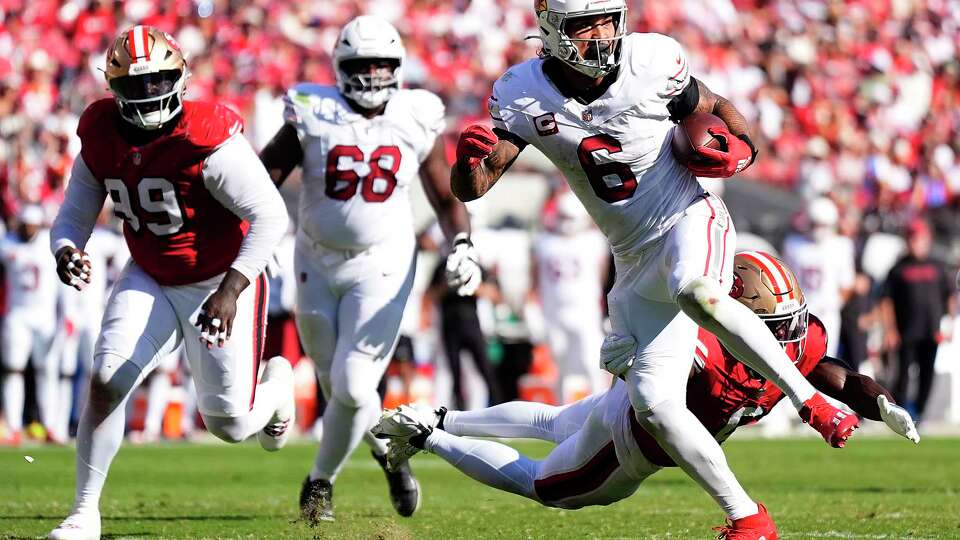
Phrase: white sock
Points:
(269, 397)
(46, 383)
(494, 464)
(64, 407)
(13, 396)
(100, 431)
(692, 447)
(343, 427)
(513, 419)
(745, 335)
(379, 446)
(158, 396)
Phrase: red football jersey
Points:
(724, 393)
(175, 229)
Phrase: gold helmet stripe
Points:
(774, 273)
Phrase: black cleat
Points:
(404, 488)
(316, 501)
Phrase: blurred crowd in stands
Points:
(856, 101)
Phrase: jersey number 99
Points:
(156, 197)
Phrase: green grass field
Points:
(876, 488)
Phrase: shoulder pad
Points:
(662, 56)
(208, 125)
(426, 108)
(97, 115)
(305, 101)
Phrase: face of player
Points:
(920, 244)
(371, 73)
(584, 30)
(28, 231)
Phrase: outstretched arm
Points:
(864, 395)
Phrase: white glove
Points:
(898, 419)
(463, 267)
(618, 353)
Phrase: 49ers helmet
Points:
(147, 75)
(604, 55)
(768, 287)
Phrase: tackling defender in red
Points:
(603, 454)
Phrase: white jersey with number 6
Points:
(357, 171)
(615, 151)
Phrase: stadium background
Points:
(855, 100)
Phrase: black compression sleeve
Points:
(512, 137)
(685, 102)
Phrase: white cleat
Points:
(399, 426)
(77, 526)
(275, 434)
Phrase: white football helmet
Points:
(572, 217)
(368, 37)
(552, 17)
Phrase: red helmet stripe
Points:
(146, 41)
(132, 43)
(765, 269)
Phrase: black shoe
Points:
(316, 501)
(404, 489)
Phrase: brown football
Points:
(691, 133)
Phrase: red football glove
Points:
(476, 143)
(738, 157)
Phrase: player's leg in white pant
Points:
(158, 396)
(46, 363)
(86, 343)
(67, 358)
(699, 277)
(139, 327)
(642, 303)
(233, 405)
(17, 344)
(368, 327)
(587, 343)
(559, 343)
(522, 419)
(582, 470)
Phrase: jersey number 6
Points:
(155, 196)
(612, 181)
(343, 164)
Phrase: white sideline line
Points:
(838, 534)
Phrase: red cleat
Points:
(835, 425)
(756, 527)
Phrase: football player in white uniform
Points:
(569, 269)
(31, 318)
(360, 144)
(600, 104)
(824, 263)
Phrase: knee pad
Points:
(113, 377)
(227, 429)
(700, 297)
(355, 388)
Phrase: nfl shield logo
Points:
(587, 115)
(136, 158)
